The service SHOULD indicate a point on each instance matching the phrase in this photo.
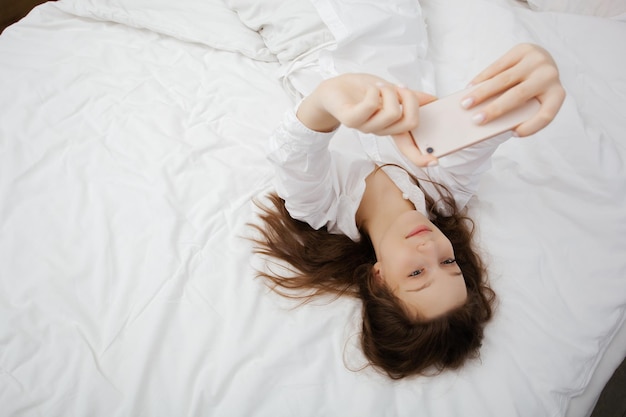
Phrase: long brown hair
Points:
(392, 339)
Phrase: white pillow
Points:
(289, 28)
(388, 39)
(604, 8)
(210, 22)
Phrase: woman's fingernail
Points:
(432, 164)
(470, 85)
(515, 134)
(478, 118)
(467, 102)
(401, 86)
(380, 84)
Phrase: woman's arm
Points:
(526, 71)
(323, 188)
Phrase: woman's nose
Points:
(424, 245)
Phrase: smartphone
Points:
(446, 127)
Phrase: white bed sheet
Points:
(577, 176)
(128, 160)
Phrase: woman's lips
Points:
(417, 231)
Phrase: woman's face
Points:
(416, 261)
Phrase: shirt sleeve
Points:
(318, 186)
(460, 172)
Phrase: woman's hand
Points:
(363, 102)
(369, 104)
(527, 71)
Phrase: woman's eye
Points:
(415, 273)
(449, 261)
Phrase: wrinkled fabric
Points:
(129, 162)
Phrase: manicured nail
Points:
(432, 164)
(401, 86)
(470, 85)
(515, 134)
(380, 84)
(479, 118)
(467, 102)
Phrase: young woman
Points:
(388, 229)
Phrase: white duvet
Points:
(130, 151)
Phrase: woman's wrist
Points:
(313, 115)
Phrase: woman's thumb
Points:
(424, 98)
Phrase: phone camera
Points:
(430, 150)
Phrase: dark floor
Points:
(612, 402)
(13, 10)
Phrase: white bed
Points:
(132, 138)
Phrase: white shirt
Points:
(324, 187)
